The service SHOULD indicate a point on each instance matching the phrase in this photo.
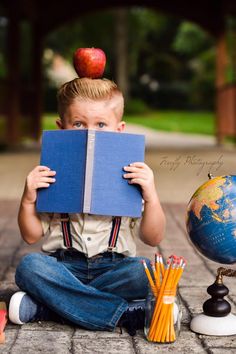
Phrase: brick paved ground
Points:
(55, 338)
(175, 187)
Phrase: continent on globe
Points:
(208, 194)
(211, 219)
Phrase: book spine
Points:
(89, 171)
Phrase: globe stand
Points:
(216, 319)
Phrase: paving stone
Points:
(219, 341)
(10, 274)
(187, 343)
(9, 208)
(12, 224)
(3, 222)
(196, 276)
(7, 253)
(232, 300)
(168, 245)
(67, 339)
(23, 251)
(213, 266)
(173, 232)
(82, 333)
(194, 298)
(145, 250)
(47, 326)
(103, 345)
(47, 337)
(10, 233)
(189, 255)
(8, 285)
(222, 350)
(32, 342)
(186, 317)
(10, 335)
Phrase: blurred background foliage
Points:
(171, 63)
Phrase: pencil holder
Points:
(163, 311)
(162, 317)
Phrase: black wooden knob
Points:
(217, 306)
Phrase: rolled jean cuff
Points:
(117, 315)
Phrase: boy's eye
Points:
(77, 124)
(101, 125)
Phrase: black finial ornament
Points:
(217, 306)
(210, 175)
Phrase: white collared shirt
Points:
(90, 233)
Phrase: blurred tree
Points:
(191, 39)
(121, 35)
(170, 61)
(3, 25)
(93, 30)
(198, 51)
(231, 46)
(160, 75)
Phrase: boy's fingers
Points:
(43, 185)
(135, 175)
(138, 164)
(42, 168)
(47, 173)
(136, 181)
(132, 168)
(47, 179)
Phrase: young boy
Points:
(84, 282)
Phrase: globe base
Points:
(214, 326)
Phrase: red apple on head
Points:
(89, 62)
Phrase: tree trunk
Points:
(13, 79)
(121, 50)
(36, 81)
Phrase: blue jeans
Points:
(90, 292)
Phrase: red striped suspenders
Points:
(116, 221)
(65, 225)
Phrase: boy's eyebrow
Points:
(79, 118)
(102, 118)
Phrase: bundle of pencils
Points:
(163, 283)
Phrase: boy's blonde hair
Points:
(89, 89)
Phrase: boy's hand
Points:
(140, 173)
(39, 177)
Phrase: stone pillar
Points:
(12, 102)
(121, 50)
(225, 89)
(36, 81)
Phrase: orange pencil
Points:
(157, 266)
(161, 266)
(159, 300)
(167, 297)
(162, 323)
(155, 277)
(151, 282)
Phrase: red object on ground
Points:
(3, 322)
(89, 62)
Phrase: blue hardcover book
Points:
(89, 172)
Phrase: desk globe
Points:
(211, 226)
(211, 219)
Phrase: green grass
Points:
(174, 121)
(177, 121)
(49, 121)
